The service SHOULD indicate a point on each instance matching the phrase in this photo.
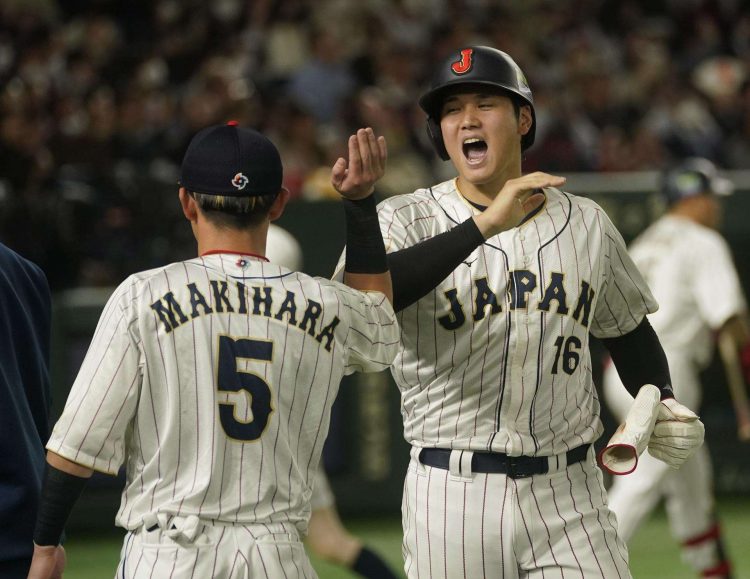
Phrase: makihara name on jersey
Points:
(263, 303)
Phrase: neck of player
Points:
(247, 241)
(483, 193)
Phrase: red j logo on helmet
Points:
(240, 181)
(463, 65)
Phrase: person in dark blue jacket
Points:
(25, 312)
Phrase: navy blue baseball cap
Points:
(233, 161)
(694, 176)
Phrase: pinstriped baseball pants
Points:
(218, 551)
(492, 526)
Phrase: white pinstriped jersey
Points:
(496, 357)
(213, 380)
(690, 270)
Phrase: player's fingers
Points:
(355, 159)
(338, 173)
(533, 202)
(363, 144)
(535, 180)
(374, 153)
(383, 150)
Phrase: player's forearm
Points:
(380, 282)
(417, 270)
(366, 263)
(734, 347)
(63, 483)
(68, 466)
(640, 359)
(734, 350)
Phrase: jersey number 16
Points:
(568, 351)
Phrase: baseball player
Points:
(498, 279)
(326, 536)
(212, 379)
(689, 268)
(25, 311)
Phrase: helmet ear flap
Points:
(436, 136)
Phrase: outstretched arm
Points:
(366, 264)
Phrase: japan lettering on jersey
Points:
(214, 379)
(496, 357)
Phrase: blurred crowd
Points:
(98, 99)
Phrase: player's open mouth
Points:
(475, 150)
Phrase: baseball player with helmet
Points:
(212, 379)
(689, 268)
(327, 536)
(498, 279)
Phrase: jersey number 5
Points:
(231, 379)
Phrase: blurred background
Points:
(99, 98)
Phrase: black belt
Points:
(499, 463)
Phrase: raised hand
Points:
(356, 178)
(516, 199)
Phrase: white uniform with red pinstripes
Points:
(690, 269)
(213, 380)
(496, 359)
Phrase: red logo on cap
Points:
(240, 181)
(463, 65)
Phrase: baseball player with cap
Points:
(498, 279)
(212, 379)
(689, 268)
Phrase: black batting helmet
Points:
(693, 176)
(480, 66)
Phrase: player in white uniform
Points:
(689, 268)
(327, 536)
(212, 379)
(497, 397)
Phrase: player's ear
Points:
(189, 206)
(277, 208)
(525, 120)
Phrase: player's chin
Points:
(477, 173)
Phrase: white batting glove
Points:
(620, 456)
(678, 433)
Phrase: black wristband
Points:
(60, 491)
(365, 251)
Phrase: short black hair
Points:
(234, 212)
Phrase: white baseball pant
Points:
(188, 547)
(494, 526)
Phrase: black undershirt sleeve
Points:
(365, 251)
(640, 359)
(417, 270)
(60, 491)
